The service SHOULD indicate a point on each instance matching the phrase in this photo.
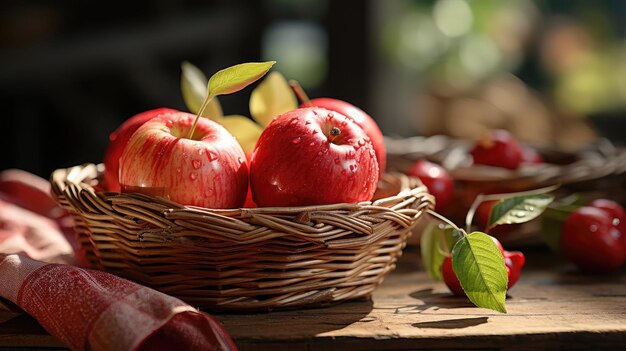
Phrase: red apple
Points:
(118, 140)
(363, 120)
(498, 148)
(591, 240)
(208, 170)
(437, 180)
(312, 156)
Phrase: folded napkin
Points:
(86, 309)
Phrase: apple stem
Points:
(334, 133)
(491, 197)
(205, 104)
(445, 220)
(300, 93)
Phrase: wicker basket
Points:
(243, 259)
(598, 170)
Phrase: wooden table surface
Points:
(553, 306)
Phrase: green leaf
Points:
(518, 209)
(272, 97)
(193, 85)
(479, 265)
(235, 78)
(554, 217)
(433, 249)
(551, 231)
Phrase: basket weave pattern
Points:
(242, 259)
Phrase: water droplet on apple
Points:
(361, 142)
(344, 123)
(196, 164)
(294, 120)
(320, 153)
(211, 155)
(312, 143)
(331, 115)
(200, 152)
(337, 161)
(193, 176)
(297, 140)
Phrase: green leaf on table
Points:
(235, 78)
(193, 85)
(518, 209)
(433, 249)
(479, 265)
(272, 97)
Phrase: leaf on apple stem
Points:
(244, 130)
(518, 209)
(193, 85)
(235, 78)
(434, 250)
(230, 80)
(479, 265)
(272, 97)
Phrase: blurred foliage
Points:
(459, 44)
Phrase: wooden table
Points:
(552, 307)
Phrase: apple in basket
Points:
(208, 169)
(364, 121)
(312, 156)
(118, 140)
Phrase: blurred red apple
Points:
(312, 156)
(208, 170)
(498, 148)
(436, 179)
(363, 120)
(118, 140)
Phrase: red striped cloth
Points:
(86, 309)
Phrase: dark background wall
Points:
(72, 71)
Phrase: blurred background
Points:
(552, 72)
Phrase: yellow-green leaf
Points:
(235, 78)
(433, 249)
(193, 85)
(272, 97)
(244, 130)
(479, 265)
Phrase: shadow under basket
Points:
(243, 259)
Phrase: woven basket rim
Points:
(61, 177)
(451, 153)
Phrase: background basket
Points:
(598, 170)
(243, 259)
